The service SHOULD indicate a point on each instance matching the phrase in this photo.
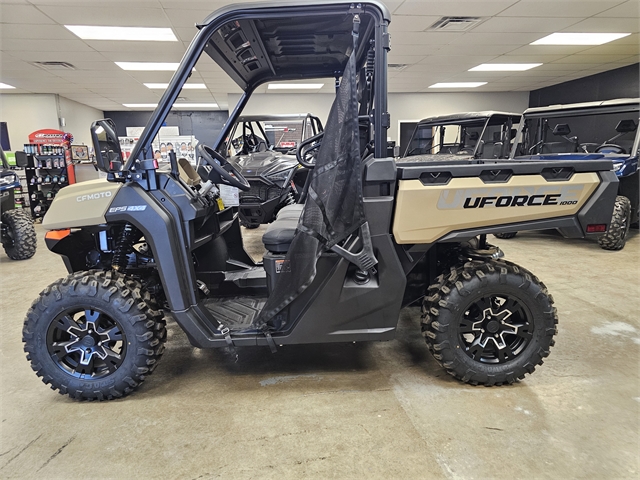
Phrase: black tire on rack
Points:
(20, 241)
(489, 322)
(506, 235)
(94, 335)
(616, 237)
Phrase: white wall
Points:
(78, 118)
(416, 106)
(318, 104)
(26, 113)
(402, 106)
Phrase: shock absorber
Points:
(124, 247)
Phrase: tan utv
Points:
(372, 236)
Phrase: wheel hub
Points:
(89, 345)
(495, 329)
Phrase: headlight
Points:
(617, 166)
(280, 177)
(8, 179)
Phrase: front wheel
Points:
(94, 335)
(489, 322)
(616, 237)
(19, 235)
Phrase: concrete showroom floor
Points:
(382, 410)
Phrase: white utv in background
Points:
(371, 237)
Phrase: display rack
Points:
(48, 168)
(47, 175)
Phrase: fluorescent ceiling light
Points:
(175, 105)
(140, 105)
(295, 86)
(148, 66)
(92, 32)
(504, 67)
(579, 38)
(195, 105)
(185, 86)
(4, 85)
(458, 85)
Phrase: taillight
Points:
(597, 228)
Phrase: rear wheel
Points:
(94, 335)
(505, 235)
(616, 237)
(19, 236)
(489, 322)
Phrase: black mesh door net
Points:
(334, 208)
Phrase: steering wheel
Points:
(584, 147)
(222, 170)
(304, 152)
(610, 146)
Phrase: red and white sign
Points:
(48, 136)
(287, 144)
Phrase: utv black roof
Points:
(496, 117)
(287, 40)
(605, 106)
(256, 43)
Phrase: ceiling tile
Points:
(485, 8)
(607, 25)
(128, 15)
(412, 23)
(181, 17)
(549, 50)
(404, 59)
(613, 48)
(33, 31)
(424, 38)
(525, 25)
(11, 13)
(558, 8)
(509, 38)
(34, 45)
(139, 48)
(591, 59)
(473, 49)
(631, 8)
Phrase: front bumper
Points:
(259, 204)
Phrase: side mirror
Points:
(626, 126)
(561, 130)
(106, 145)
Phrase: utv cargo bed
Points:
(441, 201)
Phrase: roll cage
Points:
(310, 126)
(267, 42)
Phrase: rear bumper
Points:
(598, 209)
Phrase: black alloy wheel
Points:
(94, 335)
(86, 343)
(489, 322)
(495, 329)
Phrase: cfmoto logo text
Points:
(509, 197)
(93, 196)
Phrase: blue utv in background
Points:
(589, 131)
